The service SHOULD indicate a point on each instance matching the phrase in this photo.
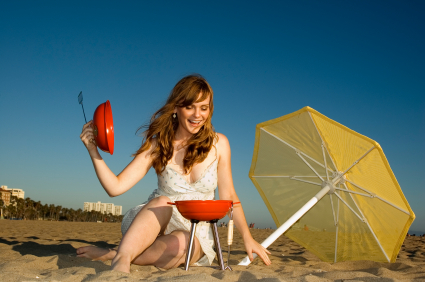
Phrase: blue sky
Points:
(360, 63)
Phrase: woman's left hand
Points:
(253, 246)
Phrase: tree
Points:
(20, 208)
(1, 207)
(44, 210)
(71, 214)
(58, 212)
(37, 206)
(11, 211)
(31, 210)
(79, 215)
(52, 210)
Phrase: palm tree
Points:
(65, 214)
(52, 210)
(37, 206)
(25, 206)
(32, 210)
(71, 214)
(79, 214)
(1, 207)
(44, 210)
(20, 208)
(58, 212)
(11, 211)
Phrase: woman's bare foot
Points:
(120, 264)
(96, 253)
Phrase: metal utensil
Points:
(80, 101)
(229, 237)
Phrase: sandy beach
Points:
(45, 251)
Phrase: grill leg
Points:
(217, 244)
(189, 247)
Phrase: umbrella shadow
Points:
(235, 252)
(297, 253)
(300, 259)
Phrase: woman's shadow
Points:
(66, 252)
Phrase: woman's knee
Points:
(162, 211)
(182, 240)
(179, 242)
(160, 201)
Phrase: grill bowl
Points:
(104, 127)
(203, 210)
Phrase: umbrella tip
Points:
(376, 144)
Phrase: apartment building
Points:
(104, 208)
(5, 196)
(118, 210)
(14, 191)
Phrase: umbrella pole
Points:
(290, 222)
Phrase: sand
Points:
(45, 251)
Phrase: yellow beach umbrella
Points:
(329, 188)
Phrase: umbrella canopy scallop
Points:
(364, 215)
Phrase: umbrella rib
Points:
(339, 197)
(333, 210)
(299, 155)
(370, 228)
(324, 159)
(358, 186)
(295, 149)
(323, 143)
(354, 192)
(391, 204)
(358, 160)
(284, 176)
(377, 241)
(306, 181)
(372, 195)
(327, 151)
(336, 231)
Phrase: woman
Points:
(191, 160)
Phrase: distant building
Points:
(105, 208)
(5, 196)
(14, 191)
(118, 210)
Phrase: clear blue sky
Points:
(360, 63)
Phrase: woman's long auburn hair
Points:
(162, 126)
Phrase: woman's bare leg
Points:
(143, 231)
(169, 251)
(96, 253)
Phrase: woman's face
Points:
(192, 117)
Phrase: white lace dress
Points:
(175, 186)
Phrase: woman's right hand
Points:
(87, 136)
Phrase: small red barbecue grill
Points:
(204, 210)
